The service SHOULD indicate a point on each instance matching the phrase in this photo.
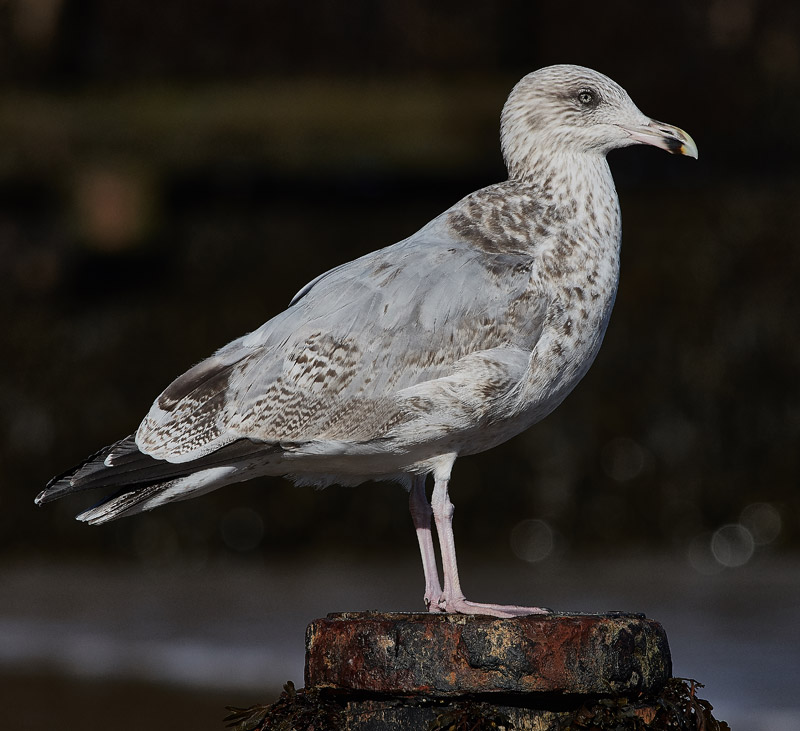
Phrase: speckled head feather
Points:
(565, 110)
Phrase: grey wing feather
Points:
(307, 288)
(354, 339)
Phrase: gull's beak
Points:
(666, 136)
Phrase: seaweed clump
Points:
(472, 717)
(676, 708)
(294, 710)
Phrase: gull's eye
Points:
(586, 98)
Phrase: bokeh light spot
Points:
(763, 521)
(532, 540)
(623, 459)
(732, 545)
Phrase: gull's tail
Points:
(143, 482)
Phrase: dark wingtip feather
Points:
(137, 477)
(77, 477)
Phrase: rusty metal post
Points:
(373, 671)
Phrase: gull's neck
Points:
(578, 185)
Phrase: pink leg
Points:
(453, 599)
(421, 515)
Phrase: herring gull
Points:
(445, 344)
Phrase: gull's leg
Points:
(453, 599)
(421, 515)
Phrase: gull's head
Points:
(575, 110)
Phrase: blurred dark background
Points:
(172, 173)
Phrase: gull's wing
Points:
(360, 341)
